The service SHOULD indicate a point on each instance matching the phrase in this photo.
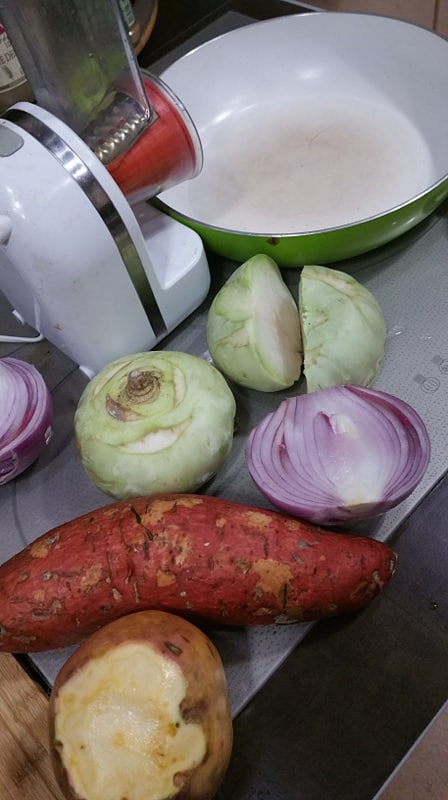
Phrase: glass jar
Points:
(13, 83)
(131, 21)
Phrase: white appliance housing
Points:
(96, 277)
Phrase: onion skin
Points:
(27, 417)
(198, 556)
(174, 646)
(154, 422)
(338, 455)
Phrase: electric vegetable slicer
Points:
(85, 260)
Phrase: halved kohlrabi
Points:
(253, 328)
(343, 329)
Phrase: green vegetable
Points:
(154, 422)
(88, 86)
(343, 329)
(253, 328)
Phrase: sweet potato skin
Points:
(206, 701)
(202, 557)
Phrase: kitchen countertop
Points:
(352, 701)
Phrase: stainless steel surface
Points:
(117, 125)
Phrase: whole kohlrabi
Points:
(154, 422)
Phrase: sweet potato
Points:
(140, 710)
(199, 556)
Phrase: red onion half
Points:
(338, 455)
(26, 415)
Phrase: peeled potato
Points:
(140, 711)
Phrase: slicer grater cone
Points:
(117, 126)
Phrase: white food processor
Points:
(85, 259)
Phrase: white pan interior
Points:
(313, 121)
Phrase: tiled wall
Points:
(429, 13)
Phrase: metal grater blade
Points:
(116, 126)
